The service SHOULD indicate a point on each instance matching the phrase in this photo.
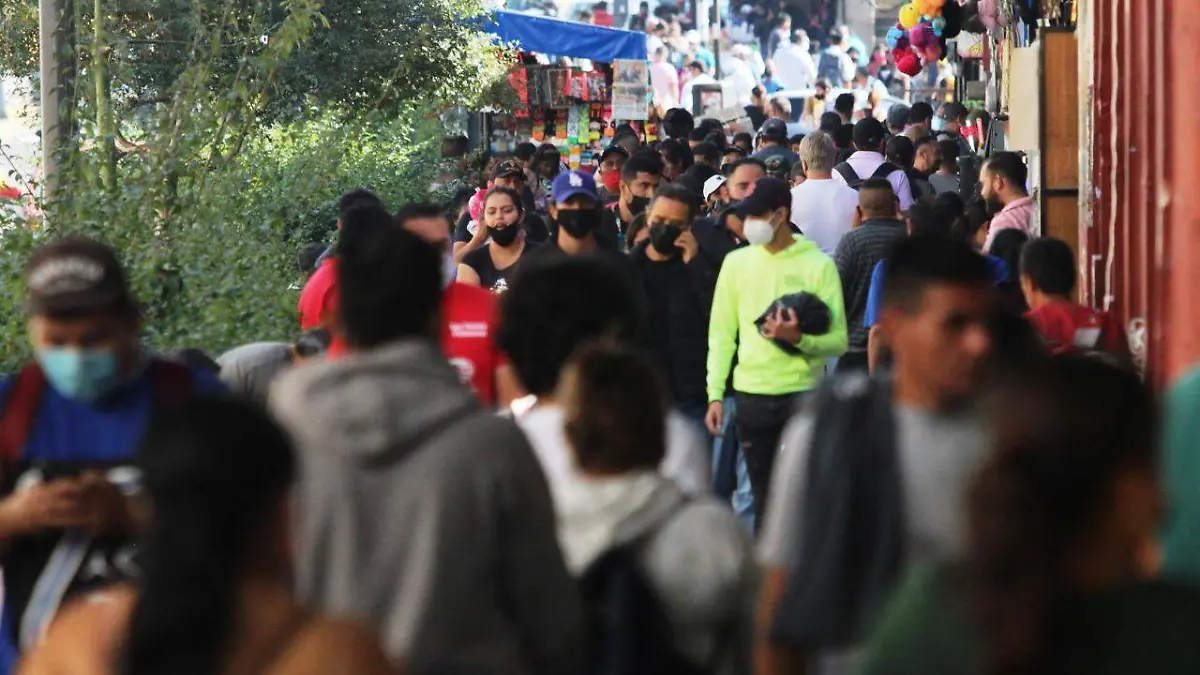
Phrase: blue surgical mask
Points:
(82, 375)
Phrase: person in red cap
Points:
(69, 426)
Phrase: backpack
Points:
(855, 182)
(172, 384)
(628, 630)
(829, 68)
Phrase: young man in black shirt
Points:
(639, 178)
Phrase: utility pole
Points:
(57, 25)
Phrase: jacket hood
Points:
(801, 246)
(385, 400)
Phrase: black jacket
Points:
(678, 303)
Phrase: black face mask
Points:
(507, 236)
(579, 224)
(637, 205)
(663, 236)
(819, 97)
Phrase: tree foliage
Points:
(239, 122)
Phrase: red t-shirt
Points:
(1068, 327)
(468, 336)
(319, 298)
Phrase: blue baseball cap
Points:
(571, 183)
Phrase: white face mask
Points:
(449, 269)
(759, 231)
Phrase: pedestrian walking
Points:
(392, 430)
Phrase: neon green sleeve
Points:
(835, 342)
(723, 330)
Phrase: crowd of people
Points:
(691, 415)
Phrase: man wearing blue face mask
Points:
(69, 425)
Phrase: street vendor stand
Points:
(576, 109)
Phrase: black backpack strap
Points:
(886, 169)
(849, 174)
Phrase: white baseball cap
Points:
(713, 184)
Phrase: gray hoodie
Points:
(426, 517)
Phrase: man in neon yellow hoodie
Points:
(767, 379)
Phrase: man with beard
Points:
(678, 281)
(1003, 179)
(639, 178)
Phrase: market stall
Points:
(574, 107)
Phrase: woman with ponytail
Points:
(214, 595)
(1061, 520)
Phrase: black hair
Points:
(697, 64)
(1061, 435)
(462, 197)
(707, 152)
(747, 161)
(554, 305)
(1050, 265)
(951, 204)
(1007, 246)
(844, 104)
(743, 137)
(645, 161)
(676, 152)
(701, 173)
(868, 134)
(417, 210)
(390, 280)
(975, 217)
(684, 195)
(796, 139)
(830, 123)
(948, 151)
(901, 151)
(525, 151)
(1009, 165)
(920, 113)
(307, 256)
(733, 150)
(798, 171)
(214, 470)
(717, 138)
(697, 135)
(927, 219)
(358, 197)
(954, 112)
(710, 125)
(313, 342)
(614, 402)
(916, 263)
(843, 137)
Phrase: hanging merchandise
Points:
(919, 38)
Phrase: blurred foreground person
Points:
(213, 595)
(1060, 521)
(70, 422)
(250, 369)
(681, 568)
(553, 307)
(420, 512)
(870, 476)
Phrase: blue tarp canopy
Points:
(556, 37)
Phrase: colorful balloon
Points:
(894, 34)
(909, 16)
(922, 6)
(921, 36)
(909, 64)
(938, 25)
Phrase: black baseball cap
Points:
(770, 194)
(614, 149)
(869, 134)
(774, 129)
(508, 168)
(74, 276)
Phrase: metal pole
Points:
(51, 51)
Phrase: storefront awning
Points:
(556, 37)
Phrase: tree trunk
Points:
(104, 114)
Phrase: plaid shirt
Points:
(856, 256)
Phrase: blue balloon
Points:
(893, 36)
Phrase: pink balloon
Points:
(922, 36)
